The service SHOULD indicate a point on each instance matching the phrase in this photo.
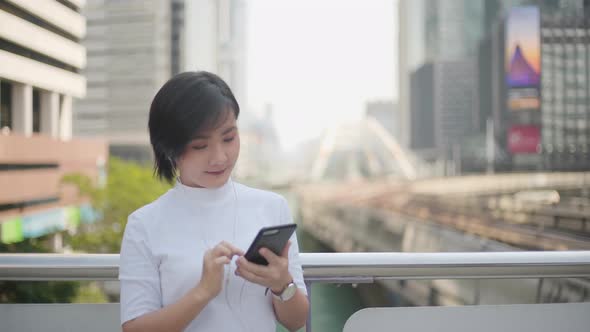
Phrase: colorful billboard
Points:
(524, 139)
(46, 222)
(523, 58)
(43, 223)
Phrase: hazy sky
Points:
(318, 62)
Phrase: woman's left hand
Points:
(275, 275)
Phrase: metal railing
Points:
(333, 267)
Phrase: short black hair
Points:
(186, 105)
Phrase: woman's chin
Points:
(216, 181)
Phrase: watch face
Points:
(289, 292)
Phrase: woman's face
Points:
(209, 159)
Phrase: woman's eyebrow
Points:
(227, 131)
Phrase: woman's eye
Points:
(199, 147)
(229, 139)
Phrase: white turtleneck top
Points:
(163, 246)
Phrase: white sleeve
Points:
(138, 273)
(294, 261)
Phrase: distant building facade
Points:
(41, 73)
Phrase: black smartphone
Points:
(274, 238)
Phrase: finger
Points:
(221, 250)
(221, 260)
(233, 249)
(270, 256)
(259, 270)
(252, 277)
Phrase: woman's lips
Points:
(217, 172)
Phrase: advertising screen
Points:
(523, 58)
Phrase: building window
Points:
(36, 110)
(5, 105)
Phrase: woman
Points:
(182, 264)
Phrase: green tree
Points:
(34, 291)
(129, 186)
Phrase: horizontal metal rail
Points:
(334, 267)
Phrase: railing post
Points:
(308, 323)
(540, 290)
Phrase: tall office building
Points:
(453, 28)
(442, 113)
(462, 31)
(130, 56)
(422, 108)
(554, 134)
(178, 37)
(444, 34)
(41, 59)
(216, 41)
(411, 48)
(135, 46)
(565, 101)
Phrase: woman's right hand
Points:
(214, 261)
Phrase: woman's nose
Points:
(219, 156)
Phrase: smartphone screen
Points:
(273, 238)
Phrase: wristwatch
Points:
(287, 293)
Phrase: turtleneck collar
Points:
(205, 195)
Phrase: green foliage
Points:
(34, 291)
(129, 186)
(37, 291)
(90, 293)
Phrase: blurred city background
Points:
(398, 126)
